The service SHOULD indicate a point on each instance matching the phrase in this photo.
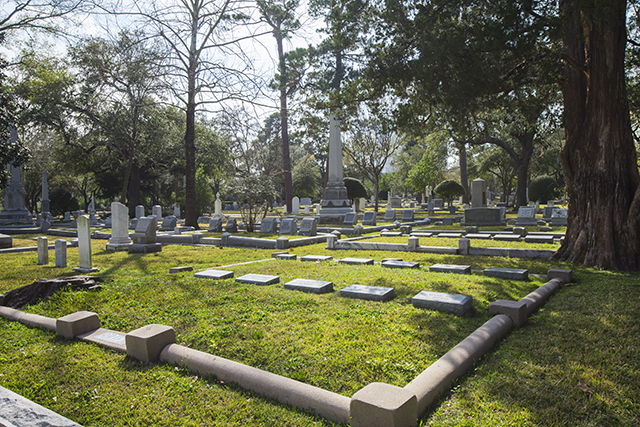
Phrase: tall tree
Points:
(599, 156)
(280, 16)
(202, 69)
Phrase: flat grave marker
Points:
(288, 257)
(538, 239)
(371, 293)
(450, 303)
(316, 258)
(477, 236)
(400, 264)
(450, 268)
(311, 286)
(356, 261)
(450, 235)
(507, 237)
(258, 279)
(214, 274)
(507, 273)
(391, 233)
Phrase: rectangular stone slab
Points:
(312, 286)
(372, 293)
(450, 235)
(538, 239)
(451, 268)
(477, 236)
(400, 264)
(391, 234)
(214, 274)
(448, 303)
(290, 257)
(421, 234)
(507, 273)
(507, 237)
(314, 258)
(258, 279)
(356, 261)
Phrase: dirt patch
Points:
(43, 289)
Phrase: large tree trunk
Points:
(599, 157)
(464, 181)
(134, 190)
(190, 217)
(523, 161)
(284, 125)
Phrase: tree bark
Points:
(599, 157)
(464, 180)
(523, 161)
(190, 218)
(284, 125)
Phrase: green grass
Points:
(576, 362)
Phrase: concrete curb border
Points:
(377, 404)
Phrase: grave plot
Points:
(460, 305)
(288, 257)
(311, 286)
(258, 279)
(356, 261)
(371, 293)
(400, 264)
(315, 258)
(507, 273)
(450, 268)
(214, 274)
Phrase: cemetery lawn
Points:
(575, 362)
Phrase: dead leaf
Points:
(584, 388)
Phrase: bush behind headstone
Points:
(543, 188)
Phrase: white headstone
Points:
(479, 193)
(61, 253)
(308, 227)
(84, 245)
(176, 210)
(268, 225)
(119, 240)
(218, 205)
(295, 205)
(43, 250)
(288, 226)
(156, 211)
(307, 209)
(139, 211)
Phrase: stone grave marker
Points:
(169, 223)
(268, 225)
(391, 233)
(526, 216)
(312, 286)
(533, 238)
(356, 261)
(305, 201)
(460, 305)
(258, 279)
(400, 264)
(390, 215)
(295, 206)
(369, 218)
(215, 225)
(407, 215)
(507, 237)
(438, 203)
(84, 245)
(67, 217)
(507, 273)
(287, 257)
(214, 274)
(232, 226)
(217, 206)
(558, 217)
(371, 293)
(288, 226)
(546, 212)
(119, 240)
(450, 235)
(350, 218)
(144, 237)
(139, 211)
(309, 227)
(479, 193)
(61, 253)
(450, 268)
(156, 210)
(315, 258)
(6, 241)
(447, 221)
(43, 250)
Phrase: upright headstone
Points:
(309, 227)
(268, 225)
(169, 223)
(389, 214)
(84, 245)
(176, 210)
(559, 217)
(307, 210)
(232, 226)
(362, 203)
(350, 219)
(479, 193)
(61, 253)
(526, 216)
(156, 210)
(369, 218)
(45, 202)
(305, 201)
(14, 195)
(139, 211)
(288, 226)
(295, 206)
(407, 215)
(67, 217)
(218, 205)
(45, 225)
(43, 250)
(336, 201)
(234, 206)
(144, 237)
(215, 225)
(119, 240)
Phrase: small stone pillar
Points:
(331, 241)
(43, 250)
(413, 243)
(464, 245)
(61, 253)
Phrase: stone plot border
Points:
(398, 406)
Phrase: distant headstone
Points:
(438, 203)
(507, 273)
(214, 274)
(61, 253)
(350, 218)
(295, 206)
(176, 210)
(232, 226)
(109, 221)
(309, 227)
(119, 240)
(307, 209)
(447, 221)
(559, 217)
(139, 211)
(430, 208)
(288, 226)
(215, 225)
(372, 293)
(449, 303)
(407, 215)
(390, 215)
(6, 241)
(356, 261)
(43, 250)
(258, 279)
(45, 225)
(156, 210)
(234, 206)
(145, 232)
(169, 223)
(84, 245)
(268, 225)
(316, 258)
(218, 205)
(67, 216)
(369, 218)
(450, 268)
(400, 264)
(526, 216)
(305, 201)
(312, 286)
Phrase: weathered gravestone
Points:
(483, 216)
(369, 218)
(309, 227)
(232, 226)
(43, 250)
(559, 217)
(5, 241)
(479, 193)
(169, 223)
(119, 240)
(407, 215)
(84, 245)
(305, 201)
(144, 237)
(156, 210)
(371, 293)
(258, 279)
(61, 253)
(268, 226)
(390, 215)
(214, 274)
(139, 211)
(289, 226)
(312, 286)
(350, 219)
(451, 268)
(507, 273)
(215, 225)
(460, 305)
(547, 211)
(526, 216)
